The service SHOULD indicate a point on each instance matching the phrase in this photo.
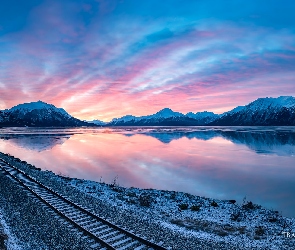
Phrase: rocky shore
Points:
(178, 220)
(3, 239)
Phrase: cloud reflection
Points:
(36, 143)
(204, 164)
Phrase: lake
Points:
(218, 162)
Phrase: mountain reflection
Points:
(36, 142)
(170, 136)
(278, 142)
(216, 162)
(266, 142)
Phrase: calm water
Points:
(221, 162)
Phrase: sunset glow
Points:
(104, 59)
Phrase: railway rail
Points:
(101, 233)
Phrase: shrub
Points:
(222, 233)
(214, 204)
(131, 194)
(236, 216)
(177, 222)
(242, 230)
(229, 228)
(183, 206)
(195, 208)
(145, 200)
(116, 189)
(131, 201)
(259, 231)
(272, 219)
(3, 238)
(232, 201)
(115, 182)
(248, 205)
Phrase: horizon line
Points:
(152, 113)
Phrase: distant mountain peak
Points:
(263, 111)
(36, 114)
(27, 107)
(96, 122)
(124, 118)
(268, 111)
(276, 99)
(272, 102)
(203, 112)
(167, 112)
(235, 110)
(203, 117)
(32, 105)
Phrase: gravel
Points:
(177, 220)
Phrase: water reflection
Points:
(167, 137)
(220, 163)
(262, 140)
(279, 142)
(36, 142)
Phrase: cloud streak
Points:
(104, 59)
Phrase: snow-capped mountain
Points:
(235, 110)
(124, 119)
(165, 117)
(272, 103)
(39, 105)
(97, 122)
(165, 113)
(262, 112)
(204, 117)
(160, 115)
(38, 114)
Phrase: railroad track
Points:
(101, 233)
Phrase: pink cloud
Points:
(93, 72)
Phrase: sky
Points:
(100, 59)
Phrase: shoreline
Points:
(180, 220)
(3, 238)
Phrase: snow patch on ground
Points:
(11, 243)
(248, 225)
(242, 226)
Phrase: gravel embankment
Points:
(32, 224)
(3, 239)
(178, 220)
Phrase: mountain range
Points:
(261, 112)
(38, 114)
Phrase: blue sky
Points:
(104, 59)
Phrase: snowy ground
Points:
(180, 220)
(7, 239)
(248, 225)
